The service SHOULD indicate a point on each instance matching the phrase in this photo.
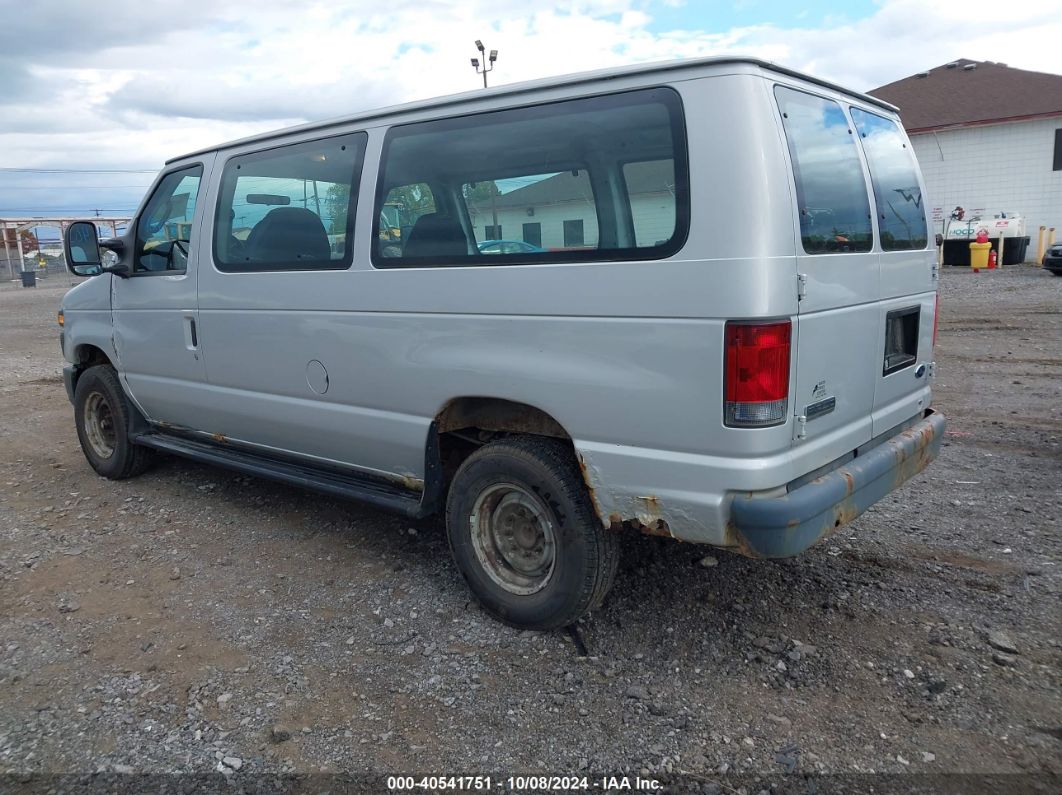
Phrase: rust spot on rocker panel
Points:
(220, 438)
(409, 482)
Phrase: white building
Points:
(559, 211)
(988, 139)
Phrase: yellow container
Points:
(979, 255)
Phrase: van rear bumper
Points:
(781, 527)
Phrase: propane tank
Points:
(992, 260)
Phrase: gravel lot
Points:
(234, 631)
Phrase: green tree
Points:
(337, 205)
(480, 192)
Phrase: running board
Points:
(348, 485)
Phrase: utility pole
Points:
(485, 68)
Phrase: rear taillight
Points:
(756, 383)
(936, 318)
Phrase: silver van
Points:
(695, 300)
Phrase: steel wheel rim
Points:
(513, 538)
(99, 425)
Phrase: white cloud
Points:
(175, 75)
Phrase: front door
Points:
(155, 311)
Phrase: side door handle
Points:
(191, 333)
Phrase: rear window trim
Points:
(672, 100)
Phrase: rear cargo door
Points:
(837, 338)
(908, 271)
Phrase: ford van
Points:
(720, 328)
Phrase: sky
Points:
(120, 86)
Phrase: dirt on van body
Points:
(227, 629)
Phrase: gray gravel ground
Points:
(227, 629)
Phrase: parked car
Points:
(508, 247)
(750, 390)
(1053, 259)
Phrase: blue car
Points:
(508, 247)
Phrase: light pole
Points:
(485, 68)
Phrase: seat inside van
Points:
(436, 234)
(288, 234)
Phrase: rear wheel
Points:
(102, 415)
(524, 536)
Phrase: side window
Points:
(901, 216)
(651, 188)
(289, 208)
(164, 229)
(831, 191)
(599, 178)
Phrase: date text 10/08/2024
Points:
(522, 784)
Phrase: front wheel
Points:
(524, 536)
(102, 414)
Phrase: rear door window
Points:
(901, 216)
(832, 196)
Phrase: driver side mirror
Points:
(81, 245)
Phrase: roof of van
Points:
(512, 89)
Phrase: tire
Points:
(102, 415)
(523, 501)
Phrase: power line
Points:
(79, 170)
